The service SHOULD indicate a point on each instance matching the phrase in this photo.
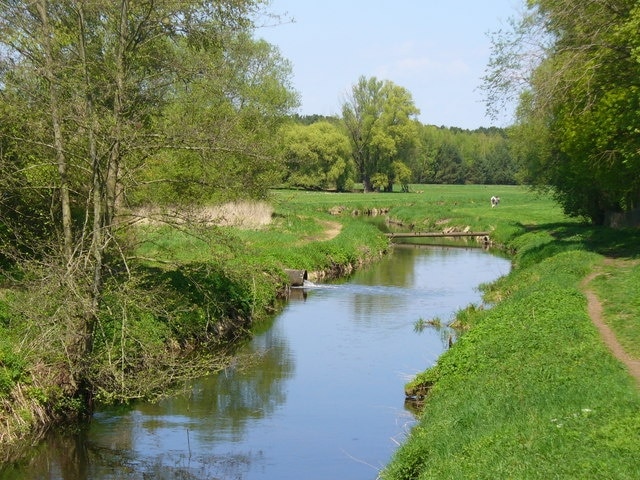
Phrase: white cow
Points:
(495, 201)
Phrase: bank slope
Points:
(530, 391)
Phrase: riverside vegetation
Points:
(529, 390)
(96, 293)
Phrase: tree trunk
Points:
(56, 124)
(98, 225)
(114, 193)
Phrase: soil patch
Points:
(332, 230)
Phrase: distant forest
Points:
(317, 146)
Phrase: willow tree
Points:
(317, 156)
(92, 92)
(575, 65)
(380, 119)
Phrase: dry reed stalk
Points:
(244, 214)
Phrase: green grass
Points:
(530, 391)
(435, 207)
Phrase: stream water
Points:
(318, 395)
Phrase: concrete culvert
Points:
(296, 277)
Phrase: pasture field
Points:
(435, 207)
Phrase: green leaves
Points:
(379, 118)
(317, 156)
(12, 370)
(578, 115)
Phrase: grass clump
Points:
(421, 324)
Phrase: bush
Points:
(12, 370)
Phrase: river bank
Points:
(181, 310)
(315, 393)
(531, 390)
(248, 279)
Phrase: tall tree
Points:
(581, 97)
(380, 119)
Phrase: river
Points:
(318, 395)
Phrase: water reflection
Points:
(317, 395)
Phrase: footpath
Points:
(608, 336)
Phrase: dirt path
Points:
(594, 307)
(333, 230)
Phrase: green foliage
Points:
(379, 182)
(421, 324)
(5, 314)
(216, 293)
(448, 165)
(401, 175)
(12, 369)
(379, 119)
(466, 317)
(454, 155)
(415, 154)
(578, 113)
(318, 156)
(101, 103)
(243, 160)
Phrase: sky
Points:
(437, 49)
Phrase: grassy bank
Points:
(179, 305)
(531, 391)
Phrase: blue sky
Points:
(436, 49)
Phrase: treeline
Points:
(458, 156)
(318, 154)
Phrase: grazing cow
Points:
(495, 201)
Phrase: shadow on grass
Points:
(609, 242)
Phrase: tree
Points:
(380, 120)
(92, 94)
(581, 98)
(318, 156)
(401, 175)
(448, 166)
(218, 142)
